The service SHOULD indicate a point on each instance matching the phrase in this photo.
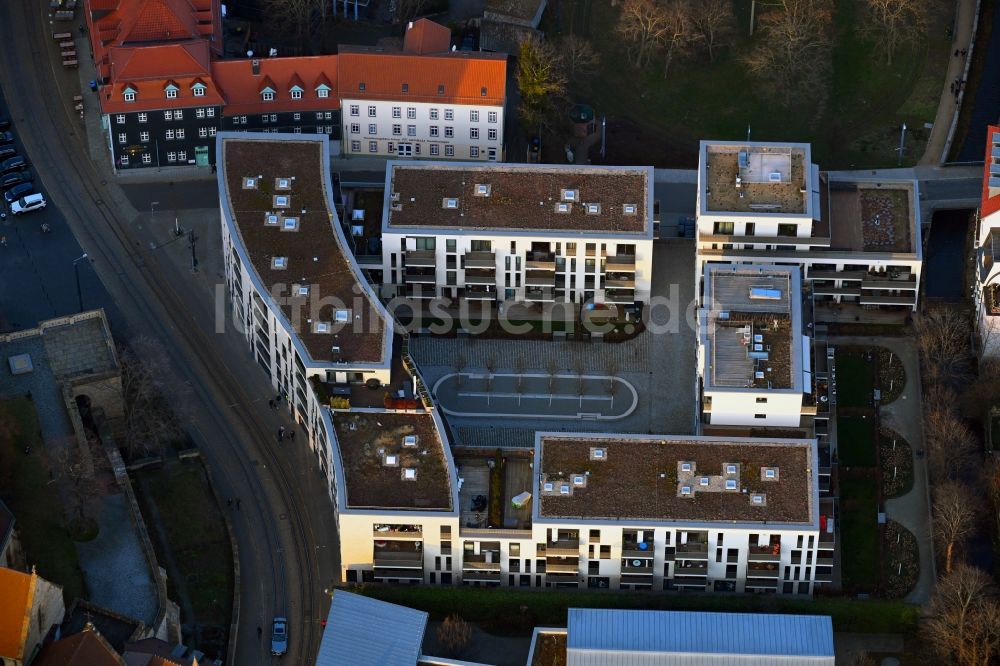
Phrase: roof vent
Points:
(279, 263)
(321, 327)
(563, 207)
(703, 481)
(482, 91)
(410, 440)
(290, 224)
(569, 195)
(598, 453)
(769, 473)
(686, 491)
(564, 489)
(441, 89)
(730, 484)
(687, 467)
(406, 87)
(483, 189)
(409, 474)
(593, 209)
(282, 183)
(361, 86)
(629, 209)
(450, 203)
(281, 201)
(249, 183)
(335, 350)
(758, 499)
(255, 66)
(271, 219)
(730, 468)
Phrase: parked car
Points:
(15, 163)
(4, 122)
(7, 151)
(28, 204)
(18, 191)
(14, 178)
(6, 138)
(279, 636)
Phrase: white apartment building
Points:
(518, 232)
(596, 510)
(753, 359)
(857, 240)
(986, 291)
(431, 106)
(295, 290)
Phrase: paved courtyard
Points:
(659, 364)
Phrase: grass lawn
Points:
(25, 487)
(855, 379)
(859, 530)
(499, 610)
(198, 538)
(661, 119)
(856, 441)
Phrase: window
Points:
(411, 130)
(243, 120)
(328, 115)
(491, 116)
(210, 112)
(296, 94)
(449, 151)
(397, 112)
(267, 96)
(199, 113)
(474, 133)
(372, 128)
(440, 89)
(355, 128)
(211, 131)
(169, 135)
(434, 149)
(355, 146)
(142, 117)
(760, 416)
(274, 117)
(263, 118)
(322, 93)
(199, 91)
(473, 151)
(171, 93)
(122, 138)
(147, 158)
(182, 156)
(449, 132)
(373, 146)
(761, 400)
(406, 87)
(168, 115)
(434, 130)
(130, 97)
(434, 114)
(123, 160)
(411, 112)
(319, 115)
(354, 109)
(178, 114)
(171, 156)
(491, 134)
(371, 111)
(391, 147)
(120, 119)
(473, 116)
(202, 132)
(397, 130)
(449, 114)
(787, 230)
(723, 229)
(180, 134)
(144, 137)
(296, 116)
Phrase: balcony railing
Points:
(619, 283)
(481, 576)
(622, 263)
(692, 551)
(545, 261)
(480, 260)
(480, 276)
(420, 291)
(762, 583)
(474, 294)
(539, 295)
(422, 258)
(409, 535)
(563, 548)
(419, 276)
(399, 574)
(619, 296)
(630, 570)
(691, 570)
(539, 279)
(399, 560)
(561, 567)
(632, 550)
(480, 565)
(753, 572)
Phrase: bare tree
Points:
(943, 339)
(713, 23)
(520, 366)
(541, 80)
(77, 469)
(642, 24)
(611, 370)
(951, 446)
(894, 23)
(983, 392)
(411, 9)
(454, 633)
(954, 518)
(963, 618)
(679, 35)
(145, 371)
(992, 485)
(579, 55)
(296, 15)
(792, 52)
(552, 369)
(460, 363)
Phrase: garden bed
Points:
(856, 441)
(902, 560)
(891, 375)
(859, 530)
(896, 460)
(855, 377)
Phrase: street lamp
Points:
(902, 138)
(76, 270)
(152, 210)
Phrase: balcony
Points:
(539, 295)
(691, 570)
(541, 261)
(692, 551)
(419, 276)
(539, 279)
(835, 275)
(398, 559)
(480, 260)
(563, 579)
(619, 282)
(630, 551)
(622, 263)
(882, 282)
(409, 534)
(762, 584)
(418, 291)
(563, 548)
(557, 567)
(619, 296)
(825, 576)
(422, 258)
(480, 564)
(481, 576)
(629, 570)
(478, 294)
(398, 574)
(826, 290)
(762, 571)
(880, 298)
(824, 561)
(480, 276)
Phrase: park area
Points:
(852, 116)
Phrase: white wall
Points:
(740, 407)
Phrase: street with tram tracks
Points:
(284, 528)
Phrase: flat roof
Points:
(752, 327)
(519, 197)
(354, 620)
(661, 638)
(660, 478)
(869, 216)
(277, 195)
(377, 448)
(755, 177)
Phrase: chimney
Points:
(256, 66)
(409, 26)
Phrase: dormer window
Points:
(406, 87)
(295, 92)
(171, 90)
(548, 487)
(249, 183)
(686, 490)
(564, 489)
(629, 209)
(129, 94)
(730, 484)
(769, 473)
(267, 96)
(361, 86)
(409, 440)
(579, 480)
(342, 316)
(281, 201)
(758, 499)
(410, 474)
(598, 453)
(303, 290)
(271, 219)
(482, 91)
(198, 89)
(322, 92)
(703, 481)
(279, 263)
(686, 467)
(730, 469)
(441, 89)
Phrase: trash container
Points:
(93, 85)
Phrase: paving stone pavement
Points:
(78, 348)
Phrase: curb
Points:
(235, 622)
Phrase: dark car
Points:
(15, 178)
(18, 191)
(15, 163)
(4, 123)
(7, 151)
(6, 137)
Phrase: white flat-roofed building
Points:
(753, 359)
(857, 240)
(987, 288)
(601, 511)
(517, 232)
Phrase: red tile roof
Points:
(17, 591)
(989, 204)
(87, 648)
(149, 69)
(426, 36)
(241, 87)
(460, 77)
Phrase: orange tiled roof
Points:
(242, 88)
(87, 648)
(426, 36)
(459, 77)
(148, 70)
(989, 204)
(17, 591)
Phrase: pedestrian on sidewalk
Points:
(291, 435)
(281, 433)
(260, 632)
(3, 241)
(238, 503)
(270, 403)
(230, 502)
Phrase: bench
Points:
(67, 45)
(70, 63)
(59, 36)
(64, 15)
(69, 54)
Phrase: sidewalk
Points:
(939, 142)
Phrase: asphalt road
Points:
(285, 532)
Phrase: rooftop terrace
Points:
(756, 178)
(393, 460)
(687, 479)
(509, 197)
(277, 192)
(868, 216)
